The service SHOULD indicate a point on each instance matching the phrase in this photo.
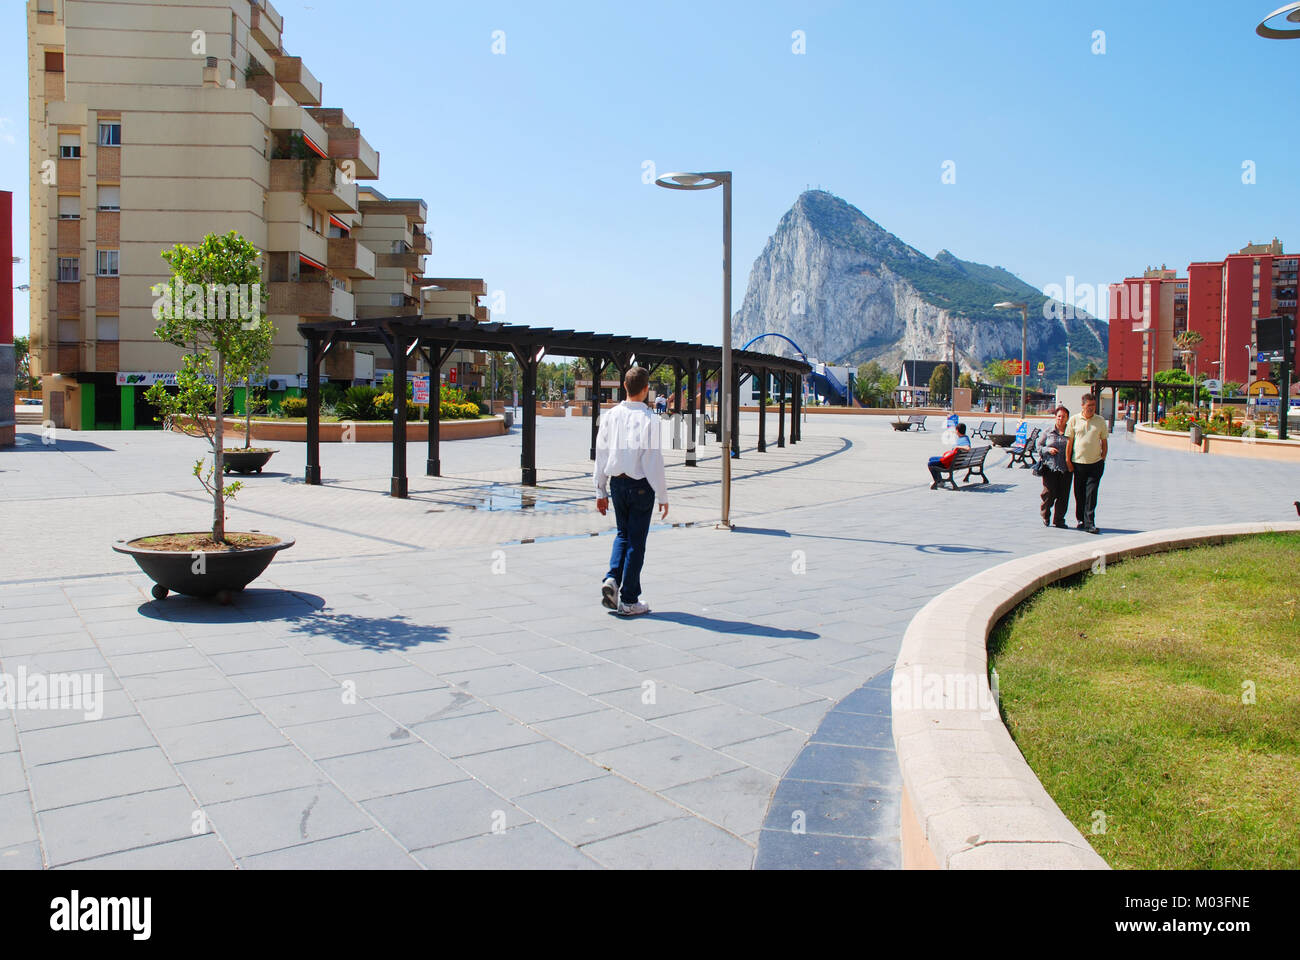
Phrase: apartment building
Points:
(157, 124)
(1221, 300)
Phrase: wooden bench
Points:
(1023, 453)
(985, 430)
(970, 459)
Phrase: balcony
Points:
(297, 80)
(447, 303)
(294, 237)
(347, 143)
(266, 26)
(420, 242)
(323, 187)
(410, 262)
(314, 299)
(350, 258)
(475, 286)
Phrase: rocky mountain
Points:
(847, 290)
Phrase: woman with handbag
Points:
(1055, 474)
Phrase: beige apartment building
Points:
(153, 124)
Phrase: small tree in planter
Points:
(999, 372)
(213, 308)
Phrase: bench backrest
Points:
(986, 426)
(916, 418)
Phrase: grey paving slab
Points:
(275, 821)
(736, 801)
(475, 733)
(400, 769)
(783, 850)
(486, 681)
(772, 754)
(23, 856)
(259, 661)
(595, 809)
(311, 706)
(682, 844)
(111, 705)
(806, 717)
(249, 774)
(70, 782)
(719, 725)
(17, 820)
(454, 811)
(533, 767)
(276, 683)
(598, 678)
(365, 850)
(543, 703)
(219, 738)
(425, 706)
(121, 823)
(348, 735)
(665, 762)
(855, 730)
(12, 776)
(159, 661)
(602, 730)
(195, 708)
(659, 700)
(204, 852)
(527, 847)
(833, 809)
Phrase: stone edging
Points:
(970, 801)
(368, 431)
(1262, 448)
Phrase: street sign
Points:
(1262, 388)
(1213, 386)
(420, 388)
(1042, 368)
(451, 376)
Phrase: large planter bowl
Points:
(1003, 439)
(223, 573)
(245, 462)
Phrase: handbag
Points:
(1038, 468)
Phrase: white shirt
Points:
(629, 443)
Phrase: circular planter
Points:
(1003, 439)
(245, 461)
(221, 574)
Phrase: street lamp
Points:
(1292, 15)
(707, 181)
(1024, 343)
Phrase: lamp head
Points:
(1008, 305)
(1287, 14)
(691, 181)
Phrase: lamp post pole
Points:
(1024, 344)
(707, 181)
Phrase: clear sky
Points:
(1067, 162)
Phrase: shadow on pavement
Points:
(922, 547)
(733, 626)
(31, 443)
(369, 633)
(987, 488)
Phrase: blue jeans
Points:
(634, 505)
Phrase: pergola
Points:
(436, 338)
(1143, 390)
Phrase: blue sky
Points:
(1067, 162)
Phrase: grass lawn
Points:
(1125, 689)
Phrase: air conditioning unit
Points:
(277, 384)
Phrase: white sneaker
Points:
(609, 593)
(637, 609)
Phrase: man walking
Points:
(1056, 478)
(630, 462)
(1085, 455)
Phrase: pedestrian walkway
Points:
(422, 684)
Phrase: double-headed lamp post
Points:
(707, 181)
(1024, 343)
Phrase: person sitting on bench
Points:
(946, 460)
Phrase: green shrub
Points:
(358, 403)
(458, 411)
(294, 406)
(332, 393)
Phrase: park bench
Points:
(985, 430)
(1023, 453)
(711, 426)
(915, 420)
(970, 459)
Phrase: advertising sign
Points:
(420, 388)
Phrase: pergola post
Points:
(693, 370)
(676, 412)
(762, 410)
(796, 403)
(397, 350)
(433, 457)
(780, 419)
(528, 454)
(313, 408)
(597, 370)
(735, 411)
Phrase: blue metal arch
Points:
(798, 348)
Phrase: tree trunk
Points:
(248, 413)
(218, 456)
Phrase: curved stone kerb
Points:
(971, 800)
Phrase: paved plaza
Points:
(433, 682)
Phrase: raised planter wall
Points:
(281, 431)
(970, 801)
(1287, 451)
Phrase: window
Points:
(110, 134)
(106, 328)
(110, 198)
(69, 208)
(69, 269)
(69, 146)
(106, 263)
(396, 299)
(53, 61)
(69, 331)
